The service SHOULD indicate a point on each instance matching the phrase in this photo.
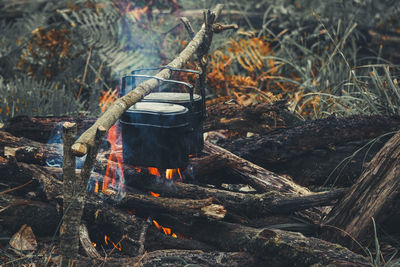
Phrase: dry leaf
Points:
(24, 239)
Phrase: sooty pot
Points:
(156, 135)
(195, 141)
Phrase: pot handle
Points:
(172, 81)
(202, 92)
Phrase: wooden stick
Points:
(69, 242)
(87, 243)
(113, 113)
(217, 27)
(74, 191)
(188, 27)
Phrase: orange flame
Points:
(154, 194)
(114, 172)
(117, 246)
(153, 171)
(171, 173)
(166, 231)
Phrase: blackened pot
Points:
(156, 135)
(196, 141)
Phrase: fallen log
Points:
(370, 197)
(261, 118)
(42, 217)
(250, 205)
(44, 129)
(179, 258)
(259, 178)
(101, 218)
(327, 151)
(277, 247)
(118, 223)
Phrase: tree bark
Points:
(261, 118)
(69, 231)
(370, 197)
(285, 144)
(279, 248)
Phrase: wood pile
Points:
(208, 218)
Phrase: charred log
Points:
(313, 150)
(259, 178)
(43, 129)
(42, 217)
(370, 197)
(284, 144)
(250, 205)
(279, 248)
(261, 118)
(180, 258)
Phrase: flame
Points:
(153, 171)
(94, 244)
(166, 231)
(114, 172)
(171, 173)
(154, 194)
(117, 246)
(96, 187)
(168, 174)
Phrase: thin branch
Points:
(188, 27)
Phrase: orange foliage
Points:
(246, 57)
(51, 45)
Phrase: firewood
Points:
(261, 118)
(184, 208)
(257, 177)
(285, 144)
(370, 197)
(42, 129)
(87, 244)
(69, 231)
(179, 258)
(250, 205)
(278, 247)
(119, 223)
(42, 217)
(313, 152)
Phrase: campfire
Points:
(152, 191)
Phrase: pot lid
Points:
(157, 107)
(171, 97)
(156, 114)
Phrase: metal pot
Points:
(195, 142)
(156, 135)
